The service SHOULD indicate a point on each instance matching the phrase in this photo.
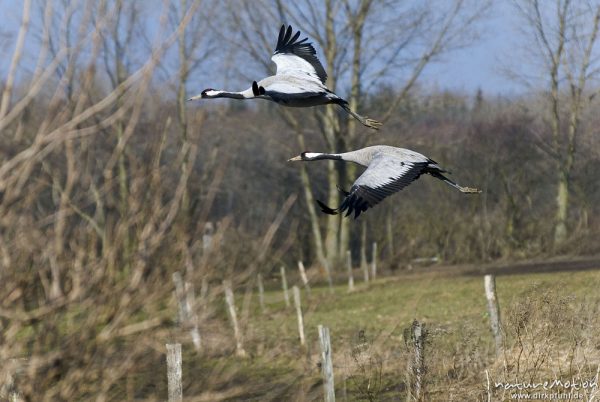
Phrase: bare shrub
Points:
(548, 337)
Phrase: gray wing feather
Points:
(383, 177)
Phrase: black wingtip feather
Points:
(296, 37)
(362, 207)
(341, 190)
(301, 48)
(326, 209)
(351, 205)
(288, 34)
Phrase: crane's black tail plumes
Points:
(466, 190)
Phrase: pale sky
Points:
(465, 70)
(480, 65)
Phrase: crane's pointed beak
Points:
(295, 158)
(195, 97)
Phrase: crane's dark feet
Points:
(469, 190)
(374, 124)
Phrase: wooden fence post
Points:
(181, 299)
(229, 299)
(204, 293)
(261, 293)
(187, 315)
(298, 305)
(417, 365)
(326, 364)
(303, 276)
(286, 295)
(494, 310)
(374, 261)
(175, 390)
(204, 289)
(8, 388)
(193, 317)
(207, 237)
(349, 267)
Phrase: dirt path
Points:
(514, 268)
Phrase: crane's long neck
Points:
(357, 157)
(247, 94)
(315, 156)
(346, 156)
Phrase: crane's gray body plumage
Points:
(293, 91)
(389, 169)
(298, 82)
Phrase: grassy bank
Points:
(549, 320)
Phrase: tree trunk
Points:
(358, 23)
(330, 123)
(333, 221)
(389, 229)
(346, 176)
(562, 205)
(181, 103)
(312, 213)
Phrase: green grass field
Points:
(369, 332)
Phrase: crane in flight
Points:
(298, 82)
(389, 169)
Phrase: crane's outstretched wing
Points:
(384, 176)
(296, 57)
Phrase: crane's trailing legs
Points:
(365, 121)
(466, 190)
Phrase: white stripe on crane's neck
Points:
(213, 94)
(358, 157)
(312, 155)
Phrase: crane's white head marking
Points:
(310, 155)
(305, 156)
(210, 93)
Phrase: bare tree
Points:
(363, 44)
(194, 48)
(10, 79)
(55, 208)
(565, 39)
